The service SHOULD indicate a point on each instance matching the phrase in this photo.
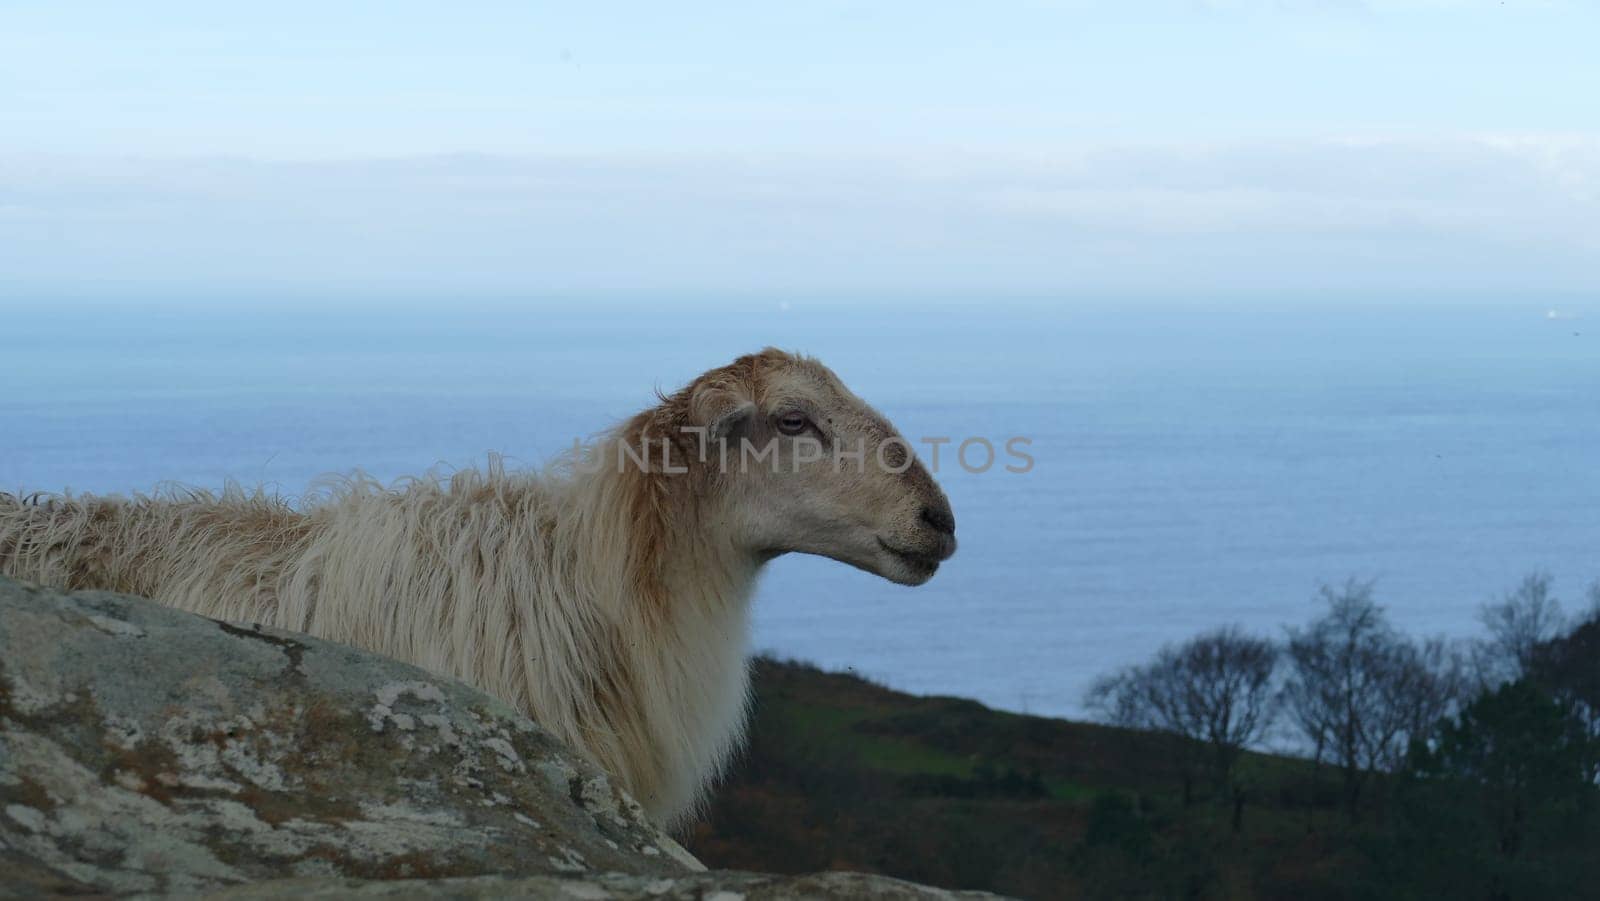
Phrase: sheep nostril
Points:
(940, 518)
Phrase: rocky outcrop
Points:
(143, 749)
(146, 751)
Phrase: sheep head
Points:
(800, 464)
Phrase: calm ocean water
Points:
(1194, 468)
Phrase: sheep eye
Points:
(792, 423)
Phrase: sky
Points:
(900, 151)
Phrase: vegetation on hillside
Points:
(1421, 769)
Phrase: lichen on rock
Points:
(143, 749)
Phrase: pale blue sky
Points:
(1393, 148)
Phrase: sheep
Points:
(606, 596)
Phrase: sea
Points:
(1194, 464)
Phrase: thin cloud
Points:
(1370, 216)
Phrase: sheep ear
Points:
(733, 421)
(723, 409)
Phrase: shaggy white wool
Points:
(440, 574)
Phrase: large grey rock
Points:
(151, 752)
(147, 750)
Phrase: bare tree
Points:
(1358, 691)
(1519, 623)
(1423, 684)
(1213, 691)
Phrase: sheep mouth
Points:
(917, 560)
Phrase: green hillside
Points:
(843, 773)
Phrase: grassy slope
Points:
(842, 773)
